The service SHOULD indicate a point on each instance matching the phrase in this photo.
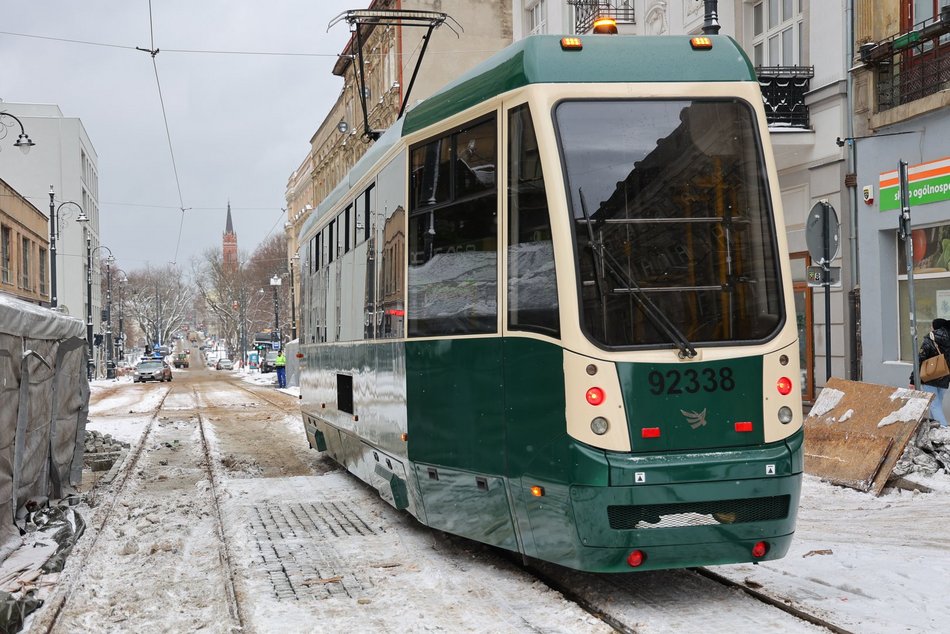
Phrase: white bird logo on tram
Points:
(695, 419)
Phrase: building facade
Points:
(64, 159)
(390, 53)
(24, 249)
(901, 113)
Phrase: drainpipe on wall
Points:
(854, 294)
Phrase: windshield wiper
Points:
(602, 258)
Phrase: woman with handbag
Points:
(934, 372)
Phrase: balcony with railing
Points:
(586, 11)
(912, 65)
(783, 91)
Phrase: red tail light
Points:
(744, 426)
(784, 386)
(650, 432)
(595, 396)
(760, 549)
(636, 558)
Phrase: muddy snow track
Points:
(163, 563)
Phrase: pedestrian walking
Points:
(280, 363)
(935, 345)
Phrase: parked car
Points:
(152, 370)
(267, 365)
(224, 364)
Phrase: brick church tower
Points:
(229, 244)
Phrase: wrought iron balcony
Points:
(586, 11)
(783, 91)
(912, 65)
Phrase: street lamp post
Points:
(53, 236)
(293, 302)
(275, 283)
(23, 141)
(90, 363)
(110, 359)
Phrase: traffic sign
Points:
(821, 219)
(819, 276)
(275, 345)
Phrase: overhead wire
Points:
(181, 202)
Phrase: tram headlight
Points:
(599, 425)
(785, 414)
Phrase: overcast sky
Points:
(239, 124)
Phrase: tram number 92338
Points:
(691, 381)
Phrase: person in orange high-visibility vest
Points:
(281, 364)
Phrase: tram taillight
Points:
(760, 549)
(784, 386)
(595, 396)
(636, 558)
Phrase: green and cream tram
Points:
(550, 310)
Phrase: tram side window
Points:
(345, 234)
(363, 214)
(453, 234)
(532, 283)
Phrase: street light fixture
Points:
(24, 142)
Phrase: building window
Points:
(44, 290)
(26, 250)
(777, 33)
(536, 18)
(453, 233)
(931, 284)
(6, 253)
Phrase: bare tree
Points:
(160, 300)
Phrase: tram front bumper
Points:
(680, 520)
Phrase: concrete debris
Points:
(927, 452)
(96, 442)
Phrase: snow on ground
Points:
(868, 564)
(865, 563)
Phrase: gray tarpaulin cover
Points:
(44, 403)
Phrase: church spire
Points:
(229, 228)
(229, 244)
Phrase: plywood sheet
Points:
(849, 458)
(856, 432)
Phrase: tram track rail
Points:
(573, 593)
(101, 519)
(784, 605)
(224, 548)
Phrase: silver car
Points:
(156, 370)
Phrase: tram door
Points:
(805, 320)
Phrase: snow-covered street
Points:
(269, 536)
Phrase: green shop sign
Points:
(928, 183)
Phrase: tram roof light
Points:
(605, 26)
(700, 43)
(571, 44)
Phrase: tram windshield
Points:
(674, 233)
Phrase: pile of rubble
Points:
(102, 450)
(927, 452)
